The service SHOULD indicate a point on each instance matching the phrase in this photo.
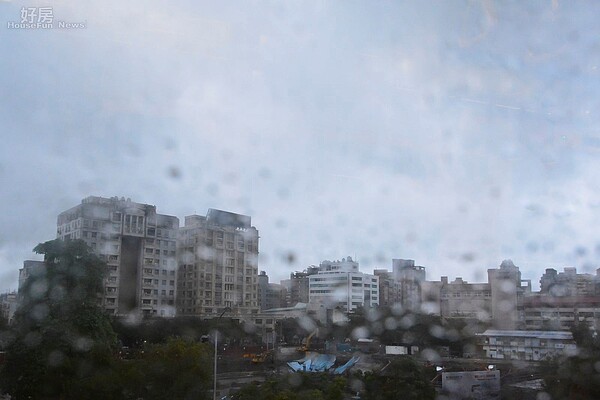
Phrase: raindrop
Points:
(391, 323)
(295, 380)
(360, 332)
(431, 355)
(55, 358)
(532, 247)
(174, 172)
(407, 321)
(307, 324)
(39, 312)
(290, 257)
(580, 251)
(83, 344)
(32, 339)
(468, 257)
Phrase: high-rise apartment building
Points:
(389, 288)
(270, 295)
(507, 291)
(569, 283)
(409, 277)
(297, 286)
(218, 265)
(139, 247)
(402, 286)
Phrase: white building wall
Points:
(347, 290)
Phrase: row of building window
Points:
(155, 282)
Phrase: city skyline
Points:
(183, 227)
(458, 135)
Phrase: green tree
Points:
(575, 377)
(404, 378)
(158, 330)
(179, 369)
(60, 334)
(297, 386)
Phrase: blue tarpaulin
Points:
(315, 362)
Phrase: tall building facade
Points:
(460, 299)
(410, 277)
(270, 295)
(500, 301)
(566, 299)
(139, 247)
(30, 267)
(402, 286)
(340, 285)
(218, 265)
(507, 291)
(389, 288)
(297, 286)
(569, 283)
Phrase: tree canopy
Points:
(576, 376)
(60, 334)
(297, 386)
(403, 378)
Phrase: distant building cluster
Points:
(210, 265)
(506, 300)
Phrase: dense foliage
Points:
(59, 335)
(577, 376)
(178, 369)
(298, 386)
(62, 346)
(134, 333)
(403, 378)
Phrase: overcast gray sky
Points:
(454, 133)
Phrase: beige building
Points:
(30, 267)
(139, 246)
(402, 286)
(409, 277)
(389, 288)
(460, 299)
(499, 301)
(507, 290)
(218, 265)
(569, 283)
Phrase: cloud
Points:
(458, 136)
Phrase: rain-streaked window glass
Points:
(325, 200)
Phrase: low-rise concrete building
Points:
(525, 345)
(544, 311)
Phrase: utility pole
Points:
(216, 352)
